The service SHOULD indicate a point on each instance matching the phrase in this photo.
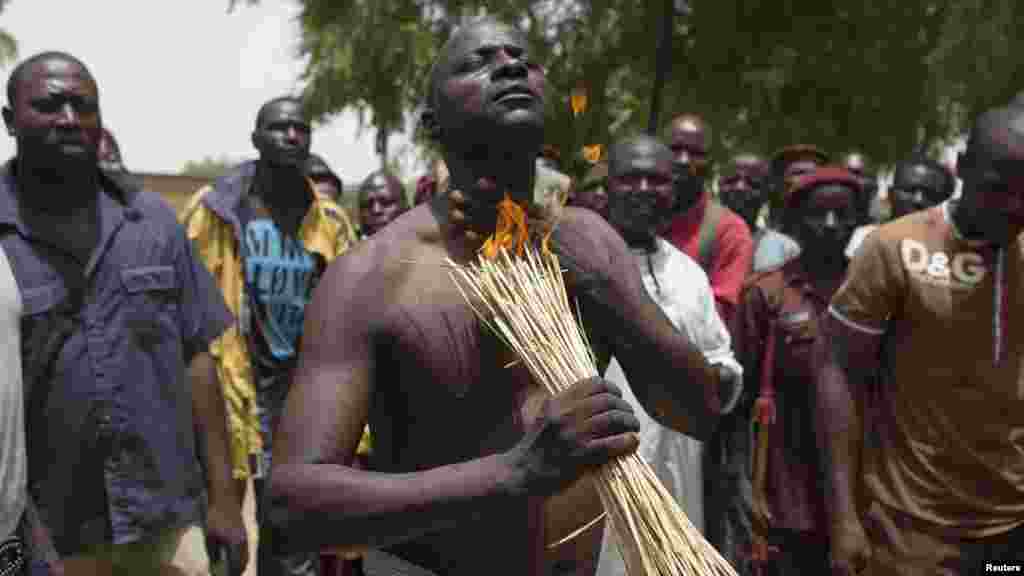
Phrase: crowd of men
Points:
(822, 392)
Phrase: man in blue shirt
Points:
(117, 314)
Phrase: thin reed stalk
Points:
(523, 300)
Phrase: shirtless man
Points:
(465, 448)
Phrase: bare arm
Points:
(211, 427)
(848, 358)
(668, 372)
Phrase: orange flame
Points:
(510, 232)
(592, 153)
(578, 100)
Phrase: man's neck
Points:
(690, 202)
(965, 226)
(821, 269)
(56, 191)
(510, 173)
(283, 192)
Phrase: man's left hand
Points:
(225, 529)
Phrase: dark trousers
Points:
(728, 492)
(799, 554)
(302, 564)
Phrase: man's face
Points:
(993, 193)
(56, 116)
(916, 187)
(641, 194)
(487, 81)
(380, 202)
(742, 187)
(794, 169)
(827, 219)
(858, 165)
(283, 135)
(797, 168)
(689, 160)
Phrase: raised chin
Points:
(524, 126)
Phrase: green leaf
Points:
(8, 46)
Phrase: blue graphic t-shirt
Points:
(280, 273)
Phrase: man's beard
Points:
(827, 248)
(637, 220)
(639, 239)
(687, 188)
(50, 163)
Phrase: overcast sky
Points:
(182, 80)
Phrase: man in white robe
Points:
(639, 178)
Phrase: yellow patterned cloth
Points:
(207, 217)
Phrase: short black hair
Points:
(265, 108)
(919, 159)
(624, 146)
(23, 68)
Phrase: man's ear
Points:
(429, 124)
(9, 121)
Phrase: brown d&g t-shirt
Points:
(947, 432)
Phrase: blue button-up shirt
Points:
(112, 454)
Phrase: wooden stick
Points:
(523, 300)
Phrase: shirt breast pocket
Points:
(40, 326)
(151, 305)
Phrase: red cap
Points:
(822, 175)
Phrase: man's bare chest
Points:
(441, 375)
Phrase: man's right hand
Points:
(851, 550)
(578, 430)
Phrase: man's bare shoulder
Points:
(581, 224)
(371, 274)
(576, 217)
(384, 254)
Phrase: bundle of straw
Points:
(522, 298)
